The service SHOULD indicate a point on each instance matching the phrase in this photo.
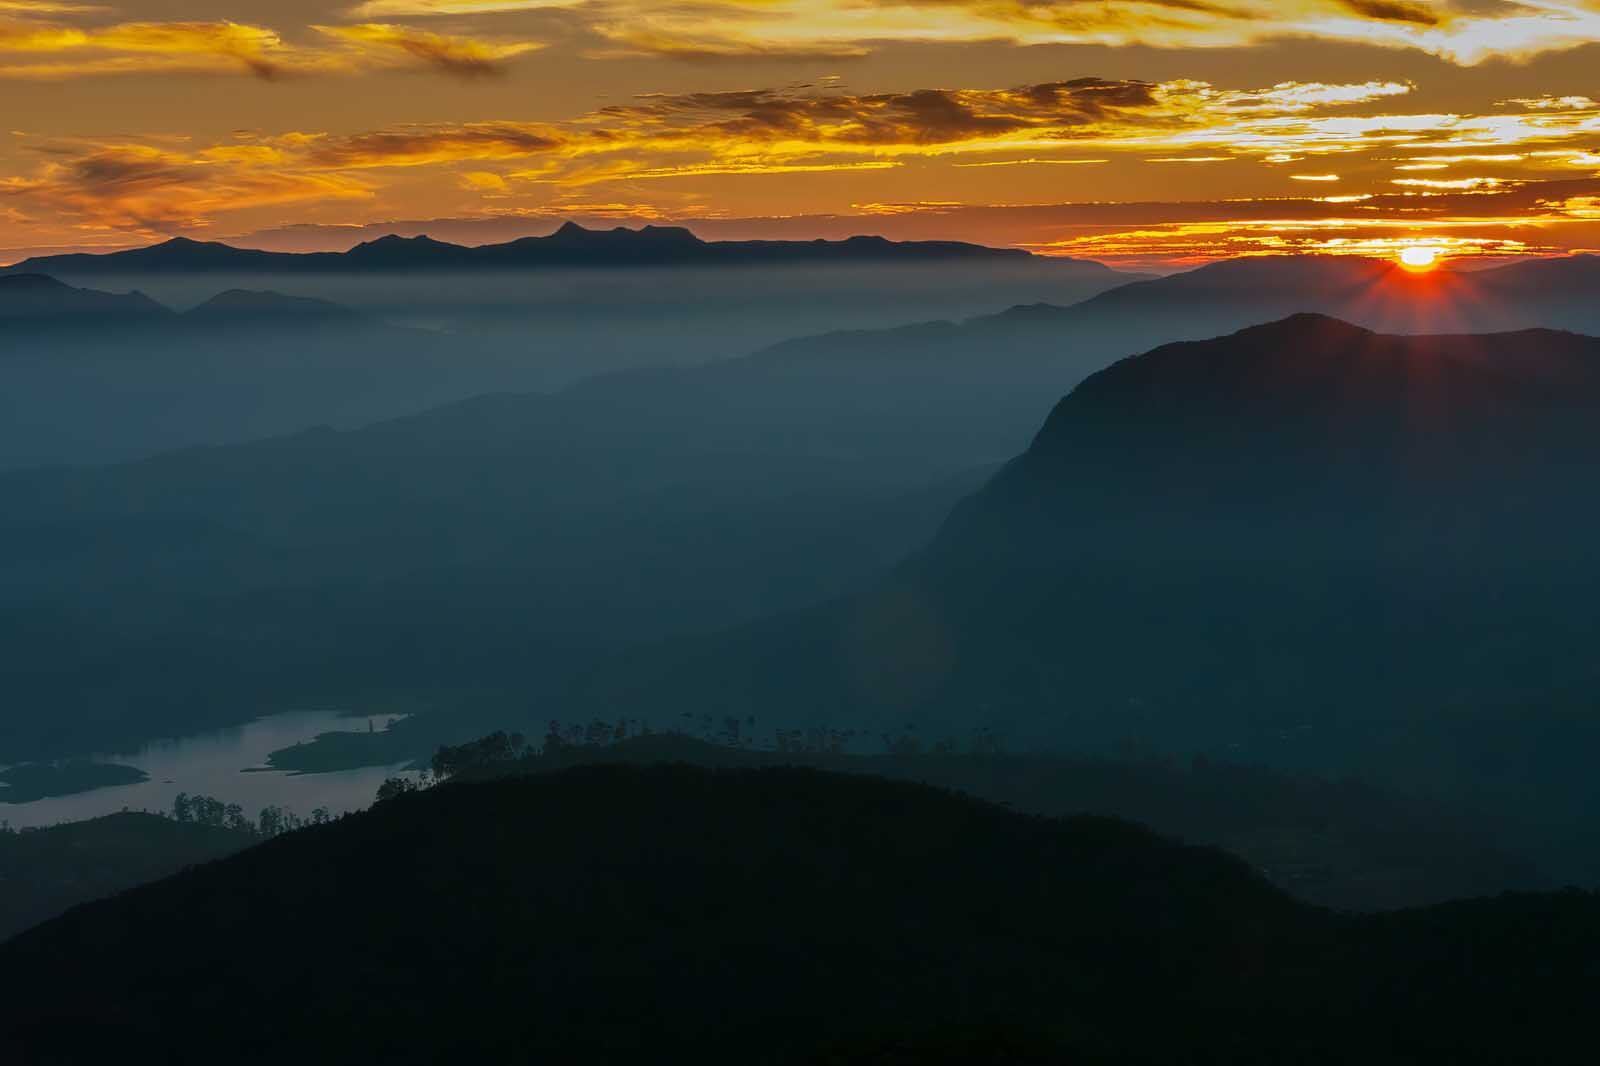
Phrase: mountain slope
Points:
(1306, 544)
(611, 914)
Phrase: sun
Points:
(1419, 259)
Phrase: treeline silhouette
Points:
(669, 913)
(1340, 843)
(273, 820)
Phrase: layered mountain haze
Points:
(625, 297)
(238, 306)
(376, 370)
(500, 535)
(1194, 555)
(1233, 294)
(430, 323)
(89, 376)
(639, 531)
(1305, 544)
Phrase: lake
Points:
(228, 764)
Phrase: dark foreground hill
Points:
(1305, 545)
(671, 914)
(1340, 844)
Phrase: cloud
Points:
(453, 55)
(1460, 31)
(411, 146)
(420, 8)
(144, 188)
(485, 182)
(1532, 218)
(634, 38)
(1466, 32)
(145, 46)
(902, 121)
(942, 139)
(45, 7)
(232, 47)
(1395, 11)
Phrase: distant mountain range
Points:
(519, 329)
(36, 301)
(1231, 295)
(88, 376)
(571, 246)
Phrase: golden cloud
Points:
(1461, 31)
(143, 188)
(228, 47)
(453, 55)
(45, 7)
(1349, 133)
(418, 8)
(413, 146)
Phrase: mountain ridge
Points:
(571, 245)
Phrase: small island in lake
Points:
(37, 781)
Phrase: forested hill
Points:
(611, 914)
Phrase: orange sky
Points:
(1142, 132)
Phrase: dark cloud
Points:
(920, 117)
(1394, 11)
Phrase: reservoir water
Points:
(229, 764)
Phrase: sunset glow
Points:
(1420, 259)
(1049, 127)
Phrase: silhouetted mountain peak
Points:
(186, 248)
(571, 233)
(244, 303)
(394, 240)
(1314, 424)
(1305, 326)
(40, 297)
(17, 284)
